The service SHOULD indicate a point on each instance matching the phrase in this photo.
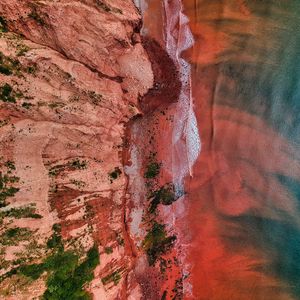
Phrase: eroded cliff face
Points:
(71, 73)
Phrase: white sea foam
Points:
(185, 133)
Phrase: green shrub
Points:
(66, 276)
(56, 170)
(22, 50)
(107, 8)
(27, 105)
(3, 24)
(78, 164)
(61, 261)
(120, 241)
(12, 232)
(54, 241)
(93, 257)
(21, 212)
(103, 6)
(152, 170)
(108, 250)
(8, 65)
(114, 277)
(33, 271)
(5, 70)
(36, 16)
(14, 235)
(75, 164)
(53, 172)
(115, 174)
(10, 165)
(6, 190)
(4, 122)
(164, 295)
(31, 69)
(165, 195)
(6, 90)
(6, 93)
(96, 98)
(5, 193)
(157, 243)
(35, 216)
(56, 228)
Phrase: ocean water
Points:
(235, 143)
(244, 195)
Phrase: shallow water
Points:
(239, 222)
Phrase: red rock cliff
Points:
(70, 77)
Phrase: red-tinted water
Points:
(238, 225)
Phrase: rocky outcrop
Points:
(71, 74)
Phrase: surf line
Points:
(186, 138)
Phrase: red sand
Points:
(232, 176)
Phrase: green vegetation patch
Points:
(32, 69)
(8, 66)
(108, 250)
(165, 195)
(55, 105)
(35, 15)
(114, 277)
(120, 240)
(21, 212)
(96, 98)
(22, 50)
(7, 94)
(157, 243)
(103, 6)
(3, 24)
(152, 170)
(6, 186)
(27, 105)
(33, 271)
(10, 165)
(65, 271)
(67, 276)
(78, 164)
(107, 8)
(78, 183)
(75, 164)
(115, 174)
(178, 289)
(55, 241)
(13, 236)
(5, 193)
(164, 295)
(5, 70)
(4, 122)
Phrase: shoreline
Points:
(160, 130)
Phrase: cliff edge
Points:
(71, 73)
